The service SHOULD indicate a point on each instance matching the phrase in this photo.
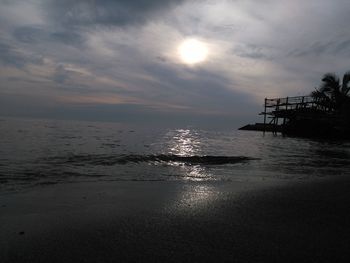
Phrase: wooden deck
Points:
(277, 111)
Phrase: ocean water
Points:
(40, 152)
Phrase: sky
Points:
(106, 60)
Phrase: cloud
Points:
(30, 35)
(61, 74)
(333, 47)
(35, 35)
(10, 56)
(251, 51)
(106, 12)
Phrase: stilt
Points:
(265, 115)
(283, 108)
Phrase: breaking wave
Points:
(107, 160)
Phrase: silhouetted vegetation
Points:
(324, 113)
(333, 95)
(329, 115)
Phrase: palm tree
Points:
(332, 94)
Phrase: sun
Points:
(193, 51)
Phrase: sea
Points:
(37, 152)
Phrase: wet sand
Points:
(267, 221)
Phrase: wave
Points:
(160, 158)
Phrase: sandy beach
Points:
(293, 221)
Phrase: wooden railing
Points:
(290, 103)
(278, 108)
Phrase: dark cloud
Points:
(317, 48)
(26, 80)
(37, 35)
(60, 75)
(251, 51)
(30, 35)
(332, 47)
(68, 37)
(105, 12)
(343, 46)
(10, 56)
(205, 90)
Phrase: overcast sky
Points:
(119, 60)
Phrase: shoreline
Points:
(304, 221)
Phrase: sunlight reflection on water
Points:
(185, 142)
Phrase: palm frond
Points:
(346, 83)
(330, 84)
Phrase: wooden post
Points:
(284, 117)
(302, 102)
(265, 115)
(276, 117)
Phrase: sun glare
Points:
(193, 51)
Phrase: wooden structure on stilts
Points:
(277, 112)
(304, 116)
